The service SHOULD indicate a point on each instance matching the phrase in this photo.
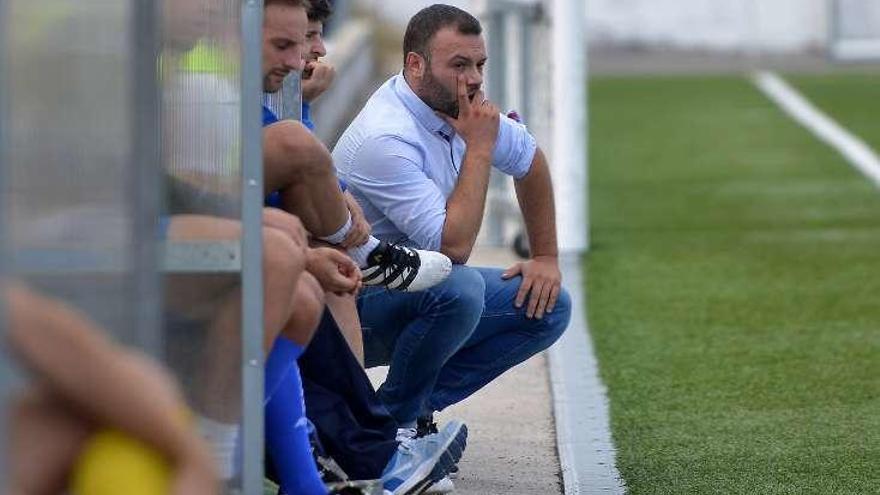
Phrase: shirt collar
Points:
(420, 109)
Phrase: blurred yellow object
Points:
(113, 463)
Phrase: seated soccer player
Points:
(83, 383)
(294, 280)
(404, 467)
(201, 99)
(355, 429)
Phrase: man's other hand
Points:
(541, 283)
(334, 270)
(317, 77)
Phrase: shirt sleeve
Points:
(388, 172)
(514, 149)
(307, 116)
(269, 117)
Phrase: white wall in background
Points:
(398, 12)
(742, 25)
(747, 25)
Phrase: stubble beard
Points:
(268, 86)
(438, 97)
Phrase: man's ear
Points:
(415, 65)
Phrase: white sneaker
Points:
(404, 269)
(443, 486)
(419, 462)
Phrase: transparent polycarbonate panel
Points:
(286, 103)
(201, 105)
(200, 95)
(70, 222)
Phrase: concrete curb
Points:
(580, 405)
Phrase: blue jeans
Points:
(445, 343)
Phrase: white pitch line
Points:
(580, 404)
(859, 154)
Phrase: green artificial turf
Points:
(853, 100)
(733, 293)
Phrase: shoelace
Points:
(406, 435)
(400, 259)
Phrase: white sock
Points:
(221, 437)
(358, 253)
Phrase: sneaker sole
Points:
(445, 461)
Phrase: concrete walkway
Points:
(511, 444)
(512, 439)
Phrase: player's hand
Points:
(541, 283)
(317, 77)
(360, 228)
(334, 270)
(477, 121)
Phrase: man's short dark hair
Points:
(305, 4)
(425, 24)
(320, 11)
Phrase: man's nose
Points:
(320, 50)
(474, 78)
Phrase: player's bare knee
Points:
(308, 304)
(283, 258)
(312, 287)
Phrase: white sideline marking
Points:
(580, 405)
(859, 154)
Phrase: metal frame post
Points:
(251, 247)
(291, 97)
(570, 125)
(5, 364)
(497, 67)
(144, 182)
(497, 92)
(526, 42)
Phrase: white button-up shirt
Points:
(401, 162)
